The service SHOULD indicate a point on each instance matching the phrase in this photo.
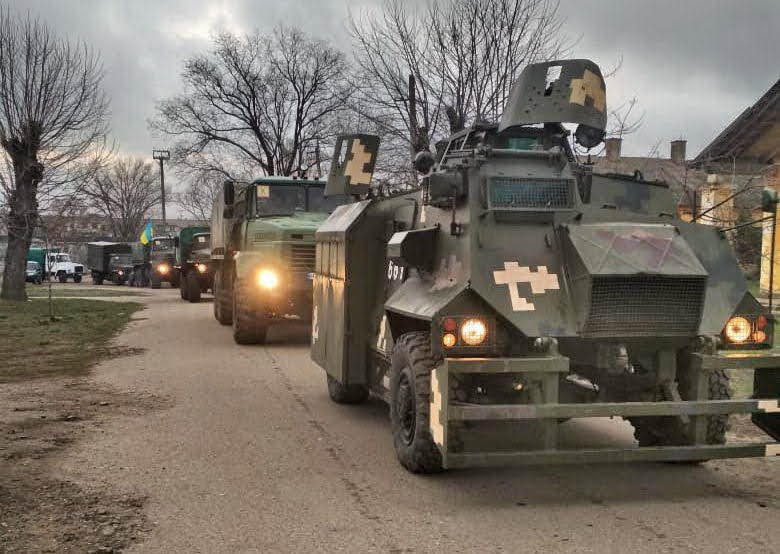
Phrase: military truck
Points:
(141, 273)
(517, 290)
(162, 261)
(262, 240)
(193, 262)
(109, 261)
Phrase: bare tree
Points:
(53, 128)
(124, 193)
(264, 100)
(425, 72)
(198, 198)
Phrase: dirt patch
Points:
(40, 512)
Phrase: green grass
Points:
(65, 291)
(32, 346)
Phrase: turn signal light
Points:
(449, 340)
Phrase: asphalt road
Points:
(254, 457)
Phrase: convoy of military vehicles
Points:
(509, 291)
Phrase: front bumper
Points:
(541, 375)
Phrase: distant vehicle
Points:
(163, 260)
(56, 264)
(142, 267)
(109, 261)
(193, 262)
(262, 247)
(33, 273)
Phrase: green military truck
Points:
(517, 290)
(110, 261)
(262, 240)
(193, 262)
(141, 273)
(163, 261)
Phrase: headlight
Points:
(473, 332)
(738, 329)
(120, 272)
(449, 340)
(748, 330)
(202, 268)
(163, 268)
(267, 279)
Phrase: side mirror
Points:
(769, 200)
(424, 161)
(229, 192)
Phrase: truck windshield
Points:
(33, 266)
(319, 203)
(200, 240)
(278, 200)
(162, 244)
(57, 258)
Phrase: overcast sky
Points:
(693, 64)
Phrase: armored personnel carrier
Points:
(263, 252)
(516, 290)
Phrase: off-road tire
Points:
(184, 290)
(248, 328)
(62, 277)
(669, 431)
(346, 394)
(156, 281)
(191, 285)
(223, 300)
(77, 278)
(175, 279)
(410, 395)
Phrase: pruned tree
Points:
(424, 72)
(124, 193)
(264, 100)
(53, 127)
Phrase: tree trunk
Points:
(22, 220)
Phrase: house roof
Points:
(753, 135)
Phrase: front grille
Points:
(79, 269)
(301, 257)
(644, 306)
(530, 193)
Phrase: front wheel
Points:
(156, 281)
(192, 285)
(410, 394)
(248, 325)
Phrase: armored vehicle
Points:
(109, 261)
(162, 261)
(193, 262)
(517, 290)
(262, 240)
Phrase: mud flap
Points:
(766, 385)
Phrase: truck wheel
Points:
(248, 328)
(410, 391)
(223, 301)
(183, 291)
(192, 285)
(175, 279)
(346, 394)
(77, 278)
(97, 279)
(155, 280)
(62, 277)
(669, 431)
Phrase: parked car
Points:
(34, 273)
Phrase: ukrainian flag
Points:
(146, 236)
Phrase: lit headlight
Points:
(163, 268)
(267, 279)
(202, 268)
(120, 272)
(738, 329)
(473, 332)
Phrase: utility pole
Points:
(162, 156)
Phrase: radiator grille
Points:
(645, 306)
(302, 257)
(530, 193)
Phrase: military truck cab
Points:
(263, 252)
(193, 262)
(163, 261)
(515, 290)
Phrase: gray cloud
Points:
(694, 65)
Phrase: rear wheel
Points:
(62, 278)
(346, 394)
(191, 284)
(223, 300)
(410, 393)
(183, 291)
(248, 326)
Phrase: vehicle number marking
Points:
(395, 272)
